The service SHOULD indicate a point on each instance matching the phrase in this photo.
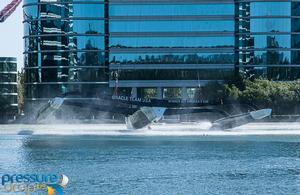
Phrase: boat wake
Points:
(157, 129)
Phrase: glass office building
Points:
(155, 48)
(8, 82)
(159, 48)
(268, 39)
(65, 48)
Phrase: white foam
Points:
(195, 129)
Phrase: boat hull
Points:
(239, 120)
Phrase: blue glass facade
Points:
(170, 45)
(267, 41)
(92, 46)
(8, 82)
(65, 48)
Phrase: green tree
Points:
(295, 86)
(257, 93)
(281, 96)
(172, 93)
(214, 91)
(21, 91)
(149, 93)
(232, 93)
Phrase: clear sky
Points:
(11, 33)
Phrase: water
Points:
(159, 165)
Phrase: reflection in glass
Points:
(66, 75)
(5, 88)
(171, 10)
(274, 73)
(86, 0)
(171, 42)
(266, 41)
(54, 10)
(245, 57)
(64, 27)
(12, 99)
(243, 12)
(30, 12)
(63, 11)
(272, 41)
(272, 57)
(295, 8)
(169, 26)
(8, 67)
(74, 22)
(296, 41)
(282, 73)
(54, 90)
(208, 74)
(271, 25)
(64, 43)
(88, 58)
(8, 77)
(30, 1)
(295, 25)
(88, 26)
(203, 58)
(270, 9)
(88, 10)
(295, 57)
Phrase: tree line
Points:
(282, 97)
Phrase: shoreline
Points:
(187, 129)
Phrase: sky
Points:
(11, 33)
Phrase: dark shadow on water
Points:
(25, 132)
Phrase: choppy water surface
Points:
(159, 165)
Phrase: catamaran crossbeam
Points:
(140, 117)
